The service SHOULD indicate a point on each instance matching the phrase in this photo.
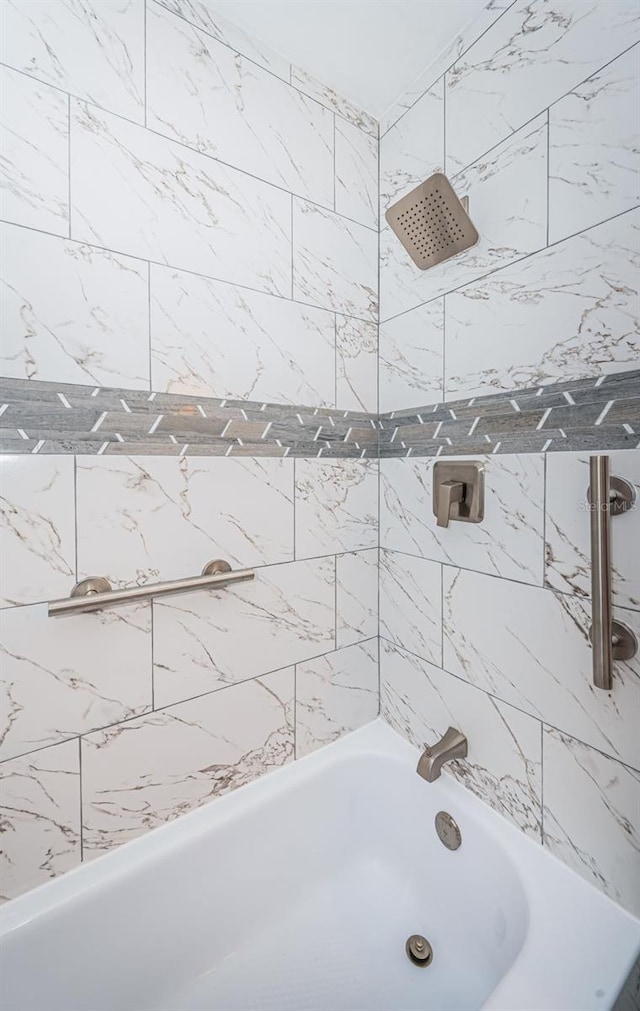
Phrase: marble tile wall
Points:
(189, 231)
(218, 686)
(525, 348)
(535, 120)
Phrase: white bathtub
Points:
(299, 891)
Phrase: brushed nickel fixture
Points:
(611, 640)
(458, 492)
(419, 950)
(448, 831)
(432, 222)
(95, 593)
(452, 745)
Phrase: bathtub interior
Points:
(302, 898)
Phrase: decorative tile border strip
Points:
(583, 415)
(54, 418)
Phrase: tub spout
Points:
(452, 745)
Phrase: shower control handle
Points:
(458, 491)
(448, 493)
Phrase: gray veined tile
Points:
(335, 262)
(93, 50)
(37, 528)
(483, 20)
(40, 812)
(336, 506)
(332, 100)
(356, 596)
(356, 181)
(335, 694)
(206, 641)
(356, 364)
(504, 763)
(567, 312)
(507, 193)
(213, 339)
(509, 540)
(72, 313)
(594, 152)
(149, 771)
(568, 551)
(66, 676)
(411, 357)
(34, 153)
(592, 816)
(530, 647)
(532, 56)
(139, 193)
(205, 17)
(411, 604)
(413, 149)
(144, 519)
(242, 115)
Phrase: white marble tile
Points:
(335, 694)
(205, 17)
(138, 193)
(205, 641)
(503, 766)
(411, 358)
(413, 149)
(72, 313)
(530, 647)
(568, 312)
(532, 56)
(507, 193)
(356, 174)
(356, 596)
(335, 262)
(356, 365)
(592, 816)
(40, 813)
(509, 540)
(37, 528)
(594, 152)
(568, 549)
(65, 676)
(328, 97)
(411, 604)
(203, 94)
(483, 20)
(336, 506)
(34, 153)
(149, 771)
(213, 339)
(147, 518)
(92, 49)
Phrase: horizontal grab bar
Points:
(95, 593)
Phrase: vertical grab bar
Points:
(608, 496)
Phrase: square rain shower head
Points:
(432, 222)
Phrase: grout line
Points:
(542, 782)
(153, 651)
(183, 270)
(80, 785)
(512, 263)
(335, 359)
(69, 160)
(144, 68)
(510, 705)
(295, 712)
(334, 162)
(292, 254)
(335, 600)
(295, 558)
(172, 705)
(149, 326)
(548, 170)
(75, 517)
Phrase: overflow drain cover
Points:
(419, 950)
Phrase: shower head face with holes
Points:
(432, 222)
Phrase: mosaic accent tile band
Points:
(585, 415)
(588, 414)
